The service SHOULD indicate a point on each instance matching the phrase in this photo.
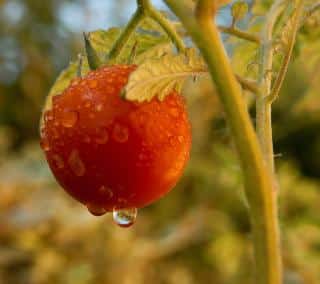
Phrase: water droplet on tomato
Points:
(55, 133)
(174, 112)
(48, 116)
(76, 164)
(99, 107)
(87, 104)
(96, 210)
(120, 133)
(93, 84)
(106, 191)
(103, 136)
(58, 161)
(180, 138)
(69, 118)
(125, 217)
(44, 144)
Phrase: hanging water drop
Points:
(125, 217)
(96, 210)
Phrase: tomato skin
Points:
(110, 153)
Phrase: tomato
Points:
(110, 153)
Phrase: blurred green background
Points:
(199, 233)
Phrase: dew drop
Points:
(180, 138)
(55, 133)
(103, 136)
(99, 107)
(174, 112)
(106, 191)
(76, 164)
(69, 118)
(48, 116)
(96, 210)
(93, 84)
(120, 133)
(125, 217)
(44, 144)
(58, 161)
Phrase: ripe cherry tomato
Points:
(110, 153)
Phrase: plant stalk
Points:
(144, 9)
(257, 178)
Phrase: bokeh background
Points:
(199, 233)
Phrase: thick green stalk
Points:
(257, 178)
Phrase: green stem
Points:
(167, 27)
(263, 109)
(240, 34)
(145, 9)
(257, 178)
(125, 34)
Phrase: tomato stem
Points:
(257, 178)
(145, 9)
(124, 36)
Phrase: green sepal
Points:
(93, 58)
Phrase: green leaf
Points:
(159, 77)
(156, 51)
(102, 42)
(239, 10)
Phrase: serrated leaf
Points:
(159, 77)
(154, 52)
(239, 10)
(102, 42)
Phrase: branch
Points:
(240, 34)
(123, 38)
(258, 181)
(315, 8)
(145, 9)
(263, 110)
(167, 27)
(285, 63)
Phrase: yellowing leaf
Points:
(159, 77)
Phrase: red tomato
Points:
(110, 153)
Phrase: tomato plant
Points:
(109, 150)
